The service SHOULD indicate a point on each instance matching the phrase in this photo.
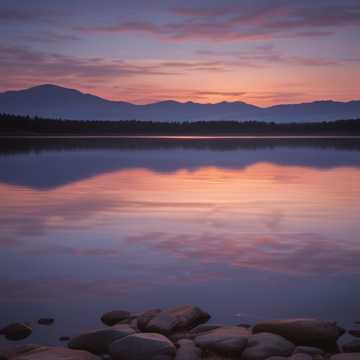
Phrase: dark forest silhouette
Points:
(25, 125)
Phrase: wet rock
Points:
(142, 346)
(346, 356)
(302, 331)
(264, 345)
(114, 317)
(352, 346)
(179, 318)
(204, 328)
(144, 318)
(227, 340)
(300, 356)
(16, 331)
(187, 350)
(98, 341)
(55, 353)
(309, 350)
(11, 353)
(46, 321)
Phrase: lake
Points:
(248, 229)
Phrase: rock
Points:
(312, 332)
(346, 356)
(16, 331)
(142, 346)
(263, 345)
(247, 326)
(277, 358)
(179, 318)
(351, 346)
(144, 318)
(300, 356)
(55, 353)
(355, 331)
(15, 351)
(64, 338)
(180, 335)
(309, 350)
(187, 350)
(113, 317)
(204, 328)
(98, 341)
(46, 321)
(227, 340)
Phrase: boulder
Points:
(55, 353)
(309, 350)
(12, 352)
(175, 319)
(144, 318)
(46, 321)
(16, 331)
(142, 346)
(300, 356)
(227, 340)
(312, 332)
(351, 346)
(187, 350)
(346, 356)
(264, 345)
(204, 328)
(113, 317)
(98, 341)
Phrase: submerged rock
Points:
(227, 340)
(302, 331)
(16, 331)
(55, 353)
(46, 321)
(142, 346)
(187, 350)
(264, 345)
(114, 317)
(175, 319)
(352, 346)
(98, 341)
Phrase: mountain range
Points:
(52, 101)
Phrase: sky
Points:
(263, 52)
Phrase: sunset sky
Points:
(260, 51)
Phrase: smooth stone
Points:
(302, 331)
(46, 321)
(227, 340)
(264, 345)
(144, 318)
(180, 335)
(187, 350)
(300, 356)
(351, 346)
(309, 350)
(180, 318)
(16, 331)
(142, 346)
(113, 317)
(12, 352)
(346, 356)
(204, 328)
(277, 358)
(98, 341)
(55, 353)
(355, 331)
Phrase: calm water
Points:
(247, 229)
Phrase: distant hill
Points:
(51, 101)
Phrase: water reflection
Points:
(229, 230)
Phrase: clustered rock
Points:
(182, 333)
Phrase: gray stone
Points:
(309, 350)
(264, 345)
(227, 340)
(351, 346)
(144, 318)
(175, 319)
(346, 356)
(187, 350)
(16, 331)
(55, 353)
(142, 346)
(98, 341)
(114, 317)
(302, 331)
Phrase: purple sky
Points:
(262, 52)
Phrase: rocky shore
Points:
(184, 333)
